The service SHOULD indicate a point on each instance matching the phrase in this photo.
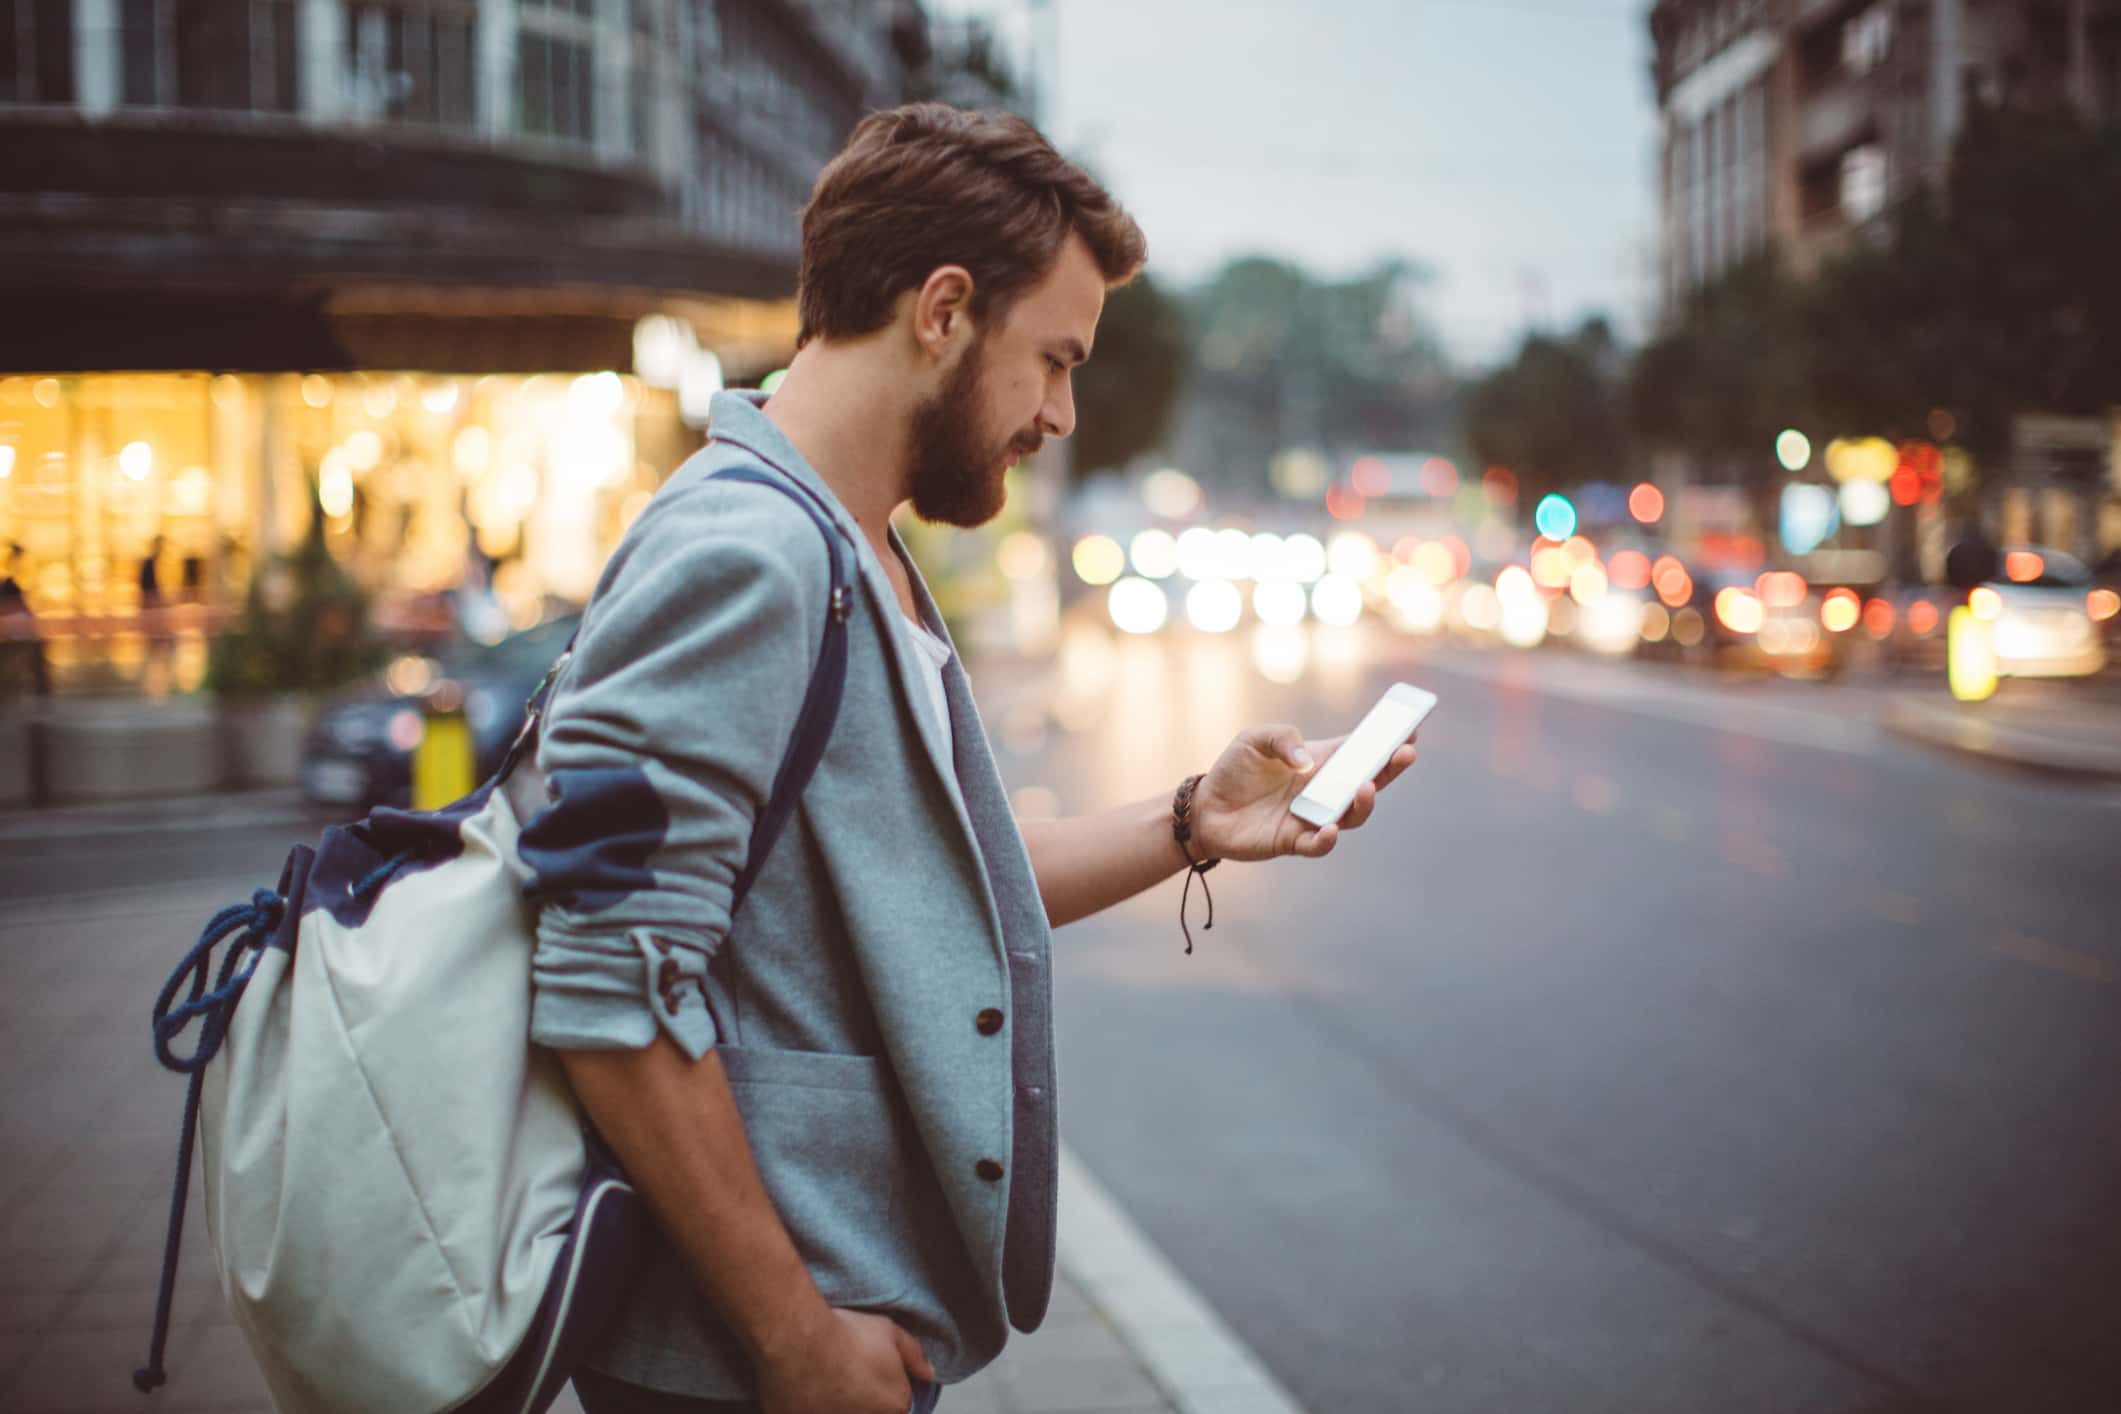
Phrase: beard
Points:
(956, 472)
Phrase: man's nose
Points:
(1057, 417)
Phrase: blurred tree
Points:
(1553, 414)
(1997, 295)
(1727, 378)
(1283, 359)
(1125, 395)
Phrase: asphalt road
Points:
(1661, 1044)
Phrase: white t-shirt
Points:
(933, 654)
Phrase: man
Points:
(839, 1105)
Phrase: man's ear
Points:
(942, 310)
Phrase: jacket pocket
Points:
(830, 1144)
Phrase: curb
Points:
(1186, 1349)
(1958, 730)
(154, 815)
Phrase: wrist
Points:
(792, 1326)
(1187, 821)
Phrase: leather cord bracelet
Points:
(1182, 831)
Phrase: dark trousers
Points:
(601, 1394)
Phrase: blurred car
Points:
(2039, 616)
(360, 754)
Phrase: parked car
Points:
(2039, 616)
(360, 754)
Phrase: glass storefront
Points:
(141, 503)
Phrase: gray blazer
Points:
(882, 1001)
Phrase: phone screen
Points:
(1364, 753)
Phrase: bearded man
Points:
(839, 1104)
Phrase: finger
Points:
(1359, 809)
(1287, 744)
(1318, 843)
(1400, 759)
(910, 1353)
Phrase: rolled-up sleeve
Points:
(659, 751)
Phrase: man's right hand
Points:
(851, 1362)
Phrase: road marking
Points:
(1188, 1350)
(2024, 947)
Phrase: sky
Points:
(1505, 146)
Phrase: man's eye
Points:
(1055, 364)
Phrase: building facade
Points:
(1793, 124)
(455, 271)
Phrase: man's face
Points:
(1007, 393)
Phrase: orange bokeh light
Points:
(1343, 502)
(1646, 503)
(2102, 604)
(1580, 551)
(1740, 610)
(1674, 585)
(1438, 477)
(1370, 477)
(2023, 566)
(1840, 611)
(1878, 618)
(1500, 484)
(1550, 568)
(1780, 589)
(1922, 618)
(1630, 569)
(1906, 486)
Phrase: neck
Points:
(842, 416)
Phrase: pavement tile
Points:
(1080, 1369)
(78, 1371)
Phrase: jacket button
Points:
(989, 1170)
(989, 1022)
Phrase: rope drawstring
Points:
(256, 922)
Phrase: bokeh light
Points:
(1555, 518)
(1098, 559)
(1336, 600)
(1840, 610)
(1214, 606)
(1793, 449)
(1646, 503)
(1279, 602)
(1739, 610)
(1154, 554)
(1136, 605)
(1878, 618)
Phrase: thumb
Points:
(910, 1353)
(1288, 744)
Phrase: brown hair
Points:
(929, 185)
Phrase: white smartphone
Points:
(1327, 795)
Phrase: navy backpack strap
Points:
(821, 704)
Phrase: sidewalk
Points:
(89, 1123)
(2067, 729)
